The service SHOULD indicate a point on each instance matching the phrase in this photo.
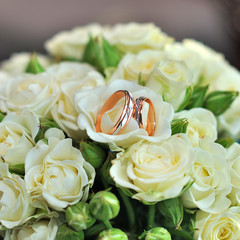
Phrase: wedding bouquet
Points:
(120, 133)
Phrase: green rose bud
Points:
(104, 205)
(112, 234)
(219, 101)
(225, 142)
(172, 210)
(34, 66)
(79, 217)
(93, 153)
(65, 232)
(158, 233)
(179, 126)
(100, 53)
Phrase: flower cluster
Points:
(62, 177)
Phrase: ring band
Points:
(137, 114)
(126, 113)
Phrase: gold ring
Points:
(137, 114)
(126, 113)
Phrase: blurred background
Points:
(26, 24)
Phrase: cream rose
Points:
(37, 93)
(17, 133)
(72, 77)
(202, 125)
(40, 230)
(71, 44)
(56, 172)
(14, 201)
(212, 179)
(179, 52)
(233, 155)
(132, 65)
(134, 37)
(4, 77)
(212, 61)
(18, 62)
(171, 79)
(218, 226)
(155, 171)
(229, 121)
(88, 104)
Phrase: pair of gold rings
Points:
(131, 109)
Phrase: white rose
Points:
(218, 226)
(18, 62)
(14, 200)
(37, 93)
(56, 173)
(88, 104)
(4, 77)
(134, 37)
(17, 133)
(179, 52)
(71, 44)
(229, 121)
(212, 180)
(202, 125)
(233, 155)
(212, 61)
(170, 79)
(71, 77)
(40, 230)
(132, 65)
(155, 171)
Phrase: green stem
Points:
(94, 230)
(129, 210)
(107, 224)
(151, 215)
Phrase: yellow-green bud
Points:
(112, 234)
(104, 206)
(158, 233)
(65, 232)
(34, 66)
(101, 54)
(93, 153)
(79, 217)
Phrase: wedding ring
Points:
(126, 113)
(137, 114)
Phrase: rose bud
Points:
(79, 217)
(158, 233)
(112, 234)
(34, 65)
(104, 205)
(65, 232)
(93, 153)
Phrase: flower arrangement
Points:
(120, 133)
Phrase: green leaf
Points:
(197, 98)
(225, 142)
(179, 125)
(104, 170)
(2, 116)
(180, 235)
(45, 124)
(172, 210)
(140, 81)
(219, 101)
(101, 54)
(18, 169)
(34, 66)
(186, 99)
